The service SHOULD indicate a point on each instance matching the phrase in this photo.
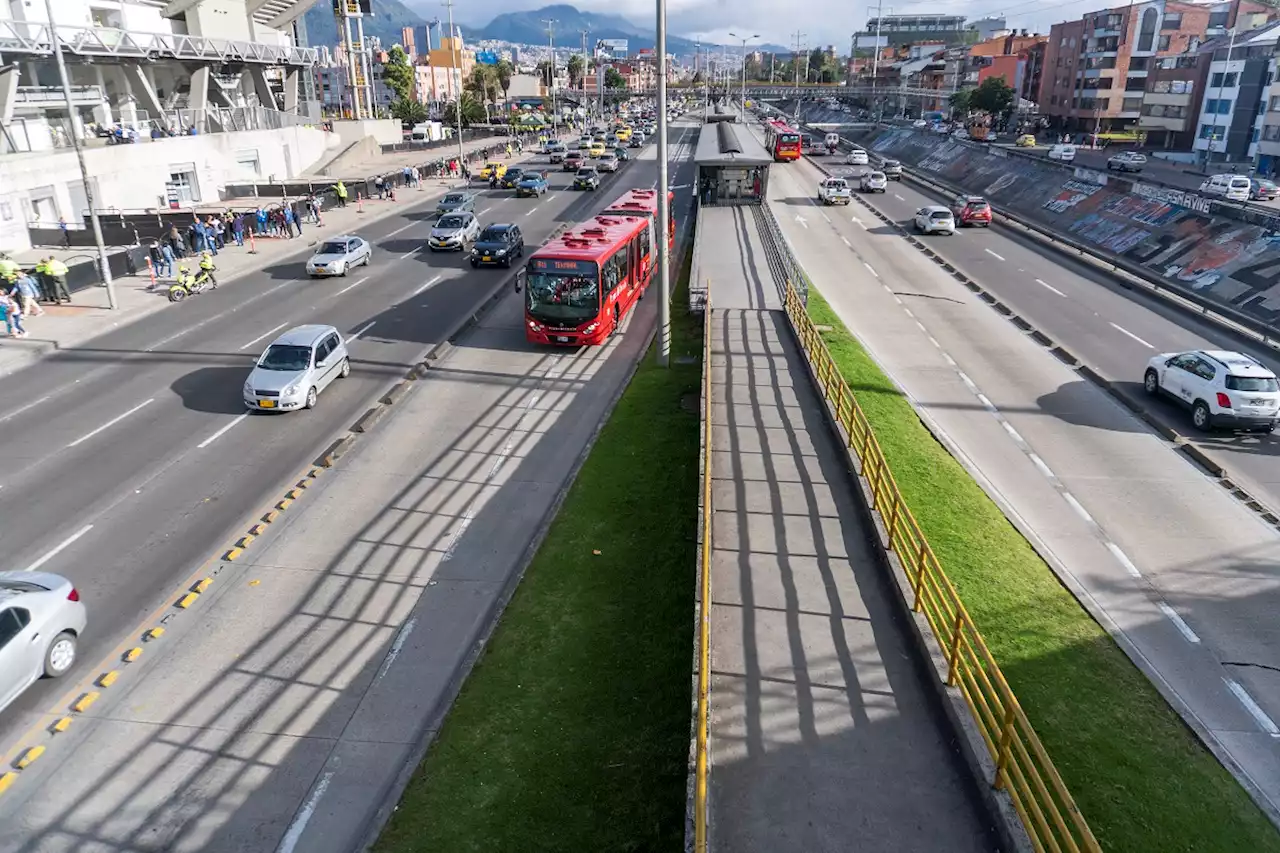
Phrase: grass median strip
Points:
(1142, 779)
(572, 731)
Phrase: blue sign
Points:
(486, 57)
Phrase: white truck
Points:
(834, 191)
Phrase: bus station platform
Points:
(823, 733)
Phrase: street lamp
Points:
(744, 69)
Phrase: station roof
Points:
(729, 144)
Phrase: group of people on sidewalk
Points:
(21, 292)
(212, 234)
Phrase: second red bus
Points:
(782, 140)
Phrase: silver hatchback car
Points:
(41, 621)
(337, 255)
(296, 368)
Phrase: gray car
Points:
(297, 366)
(454, 232)
(337, 255)
(456, 203)
(41, 622)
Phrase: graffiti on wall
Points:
(1073, 192)
(1147, 211)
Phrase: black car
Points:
(586, 179)
(511, 178)
(497, 245)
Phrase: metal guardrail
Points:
(782, 261)
(1023, 767)
(701, 760)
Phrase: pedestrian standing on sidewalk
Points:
(26, 293)
(12, 316)
(341, 189)
(157, 258)
(58, 272)
(43, 281)
(237, 228)
(288, 222)
(166, 252)
(66, 238)
(377, 185)
(296, 208)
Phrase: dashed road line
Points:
(1051, 288)
(112, 422)
(1078, 507)
(299, 823)
(995, 255)
(221, 432)
(427, 286)
(871, 269)
(1255, 710)
(356, 335)
(1122, 330)
(26, 408)
(1123, 559)
(1178, 622)
(59, 548)
(355, 283)
(846, 241)
(263, 335)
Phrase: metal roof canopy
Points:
(745, 150)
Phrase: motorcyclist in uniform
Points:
(207, 268)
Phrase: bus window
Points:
(624, 264)
(610, 274)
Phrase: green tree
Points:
(505, 70)
(961, 101)
(398, 73)
(409, 111)
(614, 80)
(473, 111)
(993, 95)
(813, 68)
(577, 68)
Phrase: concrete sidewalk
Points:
(824, 735)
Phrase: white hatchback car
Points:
(857, 157)
(1064, 153)
(1226, 389)
(935, 219)
(296, 368)
(41, 621)
(874, 182)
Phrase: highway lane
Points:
(135, 464)
(1182, 573)
(1112, 328)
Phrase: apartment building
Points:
(1096, 67)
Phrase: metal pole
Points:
(103, 263)
(457, 66)
(551, 43)
(664, 214)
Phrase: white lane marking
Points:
(263, 335)
(483, 212)
(986, 403)
(871, 269)
(800, 219)
(1013, 433)
(921, 327)
(356, 283)
(530, 211)
(1048, 286)
(846, 242)
(1040, 464)
(828, 218)
(1178, 622)
(299, 824)
(1259, 715)
(859, 221)
(1123, 559)
(934, 341)
(994, 255)
(467, 518)
(111, 422)
(1122, 330)
(968, 383)
(60, 547)
(949, 360)
(396, 645)
(402, 228)
(22, 409)
(356, 336)
(206, 321)
(410, 252)
(909, 313)
(898, 197)
(217, 435)
(427, 286)
(1078, 507)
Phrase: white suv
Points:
(1225, 389)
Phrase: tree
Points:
(398, 73)
(993, 95)
(473, 111)
(960, 101)
(614, 80)
(505, 70)
(409, 111)
(813, 68)
(576, 71)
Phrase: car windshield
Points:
(451, 222)
(494, 166)
(493, 235)
(585, 173)
(454, 198)
(514, 174)
(332, 249)
(1252, 383)
(572, 296)
(892, 164)
(532, 176)
(285, 357)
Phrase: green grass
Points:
(1141, 778)
(572, 731)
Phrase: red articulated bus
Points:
(580, 286)
(782, 140)
(645, 203)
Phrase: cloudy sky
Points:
(823, 21)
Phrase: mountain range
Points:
(392, 16)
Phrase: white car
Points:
(337, 255)
(41, 621)
(1065, 153)
(875, 182)
(935, 219)
(857, 157)
(454, 232)
(607, 163)
(1222, 389)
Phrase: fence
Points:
(1023, 767)
(704, 599)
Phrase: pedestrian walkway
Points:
(824, 735)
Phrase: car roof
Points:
(1238, 363)
(500, 226)
(336, 237)
(48, 580)
(303, 336)
(936, 208)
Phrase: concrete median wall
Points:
(1181, 238)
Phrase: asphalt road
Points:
(131, 460)
(1182, 573)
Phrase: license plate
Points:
(267, 404)
(561, 339)
(486, 258)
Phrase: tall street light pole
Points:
(744, 71)
(664, 212)
(457, 95)
(103, 263)
(551, 77)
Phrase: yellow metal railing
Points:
(704, 599)
(1023, 766)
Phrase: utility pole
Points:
(875, 58)
(585, 63)
(551, 77)
(744, 72)
(664, 205)
(457, 67)
(103, 263)
(795, 61)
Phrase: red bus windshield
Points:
(786, 138)
(563, 292)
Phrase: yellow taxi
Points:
(624, 133)
(491, 169)
(1026, 140)
(597, 149)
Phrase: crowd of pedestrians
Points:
(22, 292)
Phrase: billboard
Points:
(486, 57)
(611, 48)
(365, 7)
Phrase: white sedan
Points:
(337, 255)
(874, 182)
(935, 219)
(857, 157)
